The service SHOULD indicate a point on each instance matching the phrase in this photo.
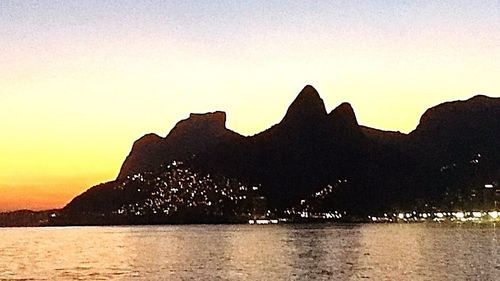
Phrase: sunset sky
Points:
(81, 80)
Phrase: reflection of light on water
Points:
(256, 253)
(243, 252)
(388, 251)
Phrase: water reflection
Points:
(389, 252)
(257, 253)
(322, 252)
(475, 254)
(241, 252)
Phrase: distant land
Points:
(312, 165)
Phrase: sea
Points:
(424, 251)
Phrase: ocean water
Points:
(251, 252)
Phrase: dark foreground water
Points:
(244, 252)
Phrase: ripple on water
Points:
(240, 252)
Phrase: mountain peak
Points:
(483, 100)
(309, 94)
(308, 105)
(216, 117)
(343, 119)
(199, 133)
(460, 113)
(344, 114)
(309, 89)
(198, 122)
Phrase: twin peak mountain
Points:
(453, 151)
(202, 133)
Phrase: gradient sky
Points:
(81, 80)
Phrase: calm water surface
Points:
(244, 252)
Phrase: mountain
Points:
(307, 109)
(177, 194)
(459, 142)
(307, 150)
(390, 138)
(311, 160)
(458, 131)
(189, 137)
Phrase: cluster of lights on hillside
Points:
(179, 188)
(304, 209)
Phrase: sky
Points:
(81, 80)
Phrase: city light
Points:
(493, 214)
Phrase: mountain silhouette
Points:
(368, 170)
(457, 131)
(189, 137)
(307, 109)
